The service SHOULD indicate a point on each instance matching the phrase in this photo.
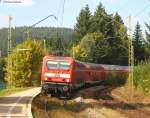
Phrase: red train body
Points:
(62, 75)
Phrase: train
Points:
(63, 75)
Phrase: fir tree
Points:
(138, 42)
(83, 24)
(102, 21)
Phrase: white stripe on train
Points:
(57, 75)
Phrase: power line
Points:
(141, 11)
(63, 9)
(136, 15)
(61, 46)
(124, 6)
(29, 28)
(44, 19)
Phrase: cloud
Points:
(21, 3)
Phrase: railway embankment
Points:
(94, 102)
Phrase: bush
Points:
(142, 77)
(26, 64)
(2, 71)
(116, 79)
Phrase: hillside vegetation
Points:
(19, 34)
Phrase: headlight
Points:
(67, 80)
(46, 78)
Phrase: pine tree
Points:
(100, 20)
(120, 47)
(83, 24)
(138, 42)
(117, 22)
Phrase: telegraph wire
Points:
(63, 9)
(61, 47)
(141, 11)
(124, 6)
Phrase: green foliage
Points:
(138, 43)
(2, 71)
(38, 33)
(114, 79)
(92, 48)
(26, 65)
(95, 48)
(113, 47)
(100, 19)
(83, 25)
(80, 53)
(142, 77)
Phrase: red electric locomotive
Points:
(62, 75)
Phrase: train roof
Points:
(114, 67)
(57, 58)
(104, 66)
(86, 64)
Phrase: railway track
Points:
(91, 102)
(79, 98)
(45, 108)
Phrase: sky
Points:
(29, 12)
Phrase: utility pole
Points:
(0, 53)
(10, 48)
(9, 36)
(44, 46)
(0, 50)
(130, 61)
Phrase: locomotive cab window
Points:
(52, 65)
(64, 65)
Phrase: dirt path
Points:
(17, 105)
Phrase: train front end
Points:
(57, 76)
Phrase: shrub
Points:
(116, 79)
(26, 64)
(142, 77)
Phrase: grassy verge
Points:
(8, 91)
(142, 77)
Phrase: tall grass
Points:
(142, 77)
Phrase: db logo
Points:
(57, 74)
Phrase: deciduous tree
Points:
(24, 66)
